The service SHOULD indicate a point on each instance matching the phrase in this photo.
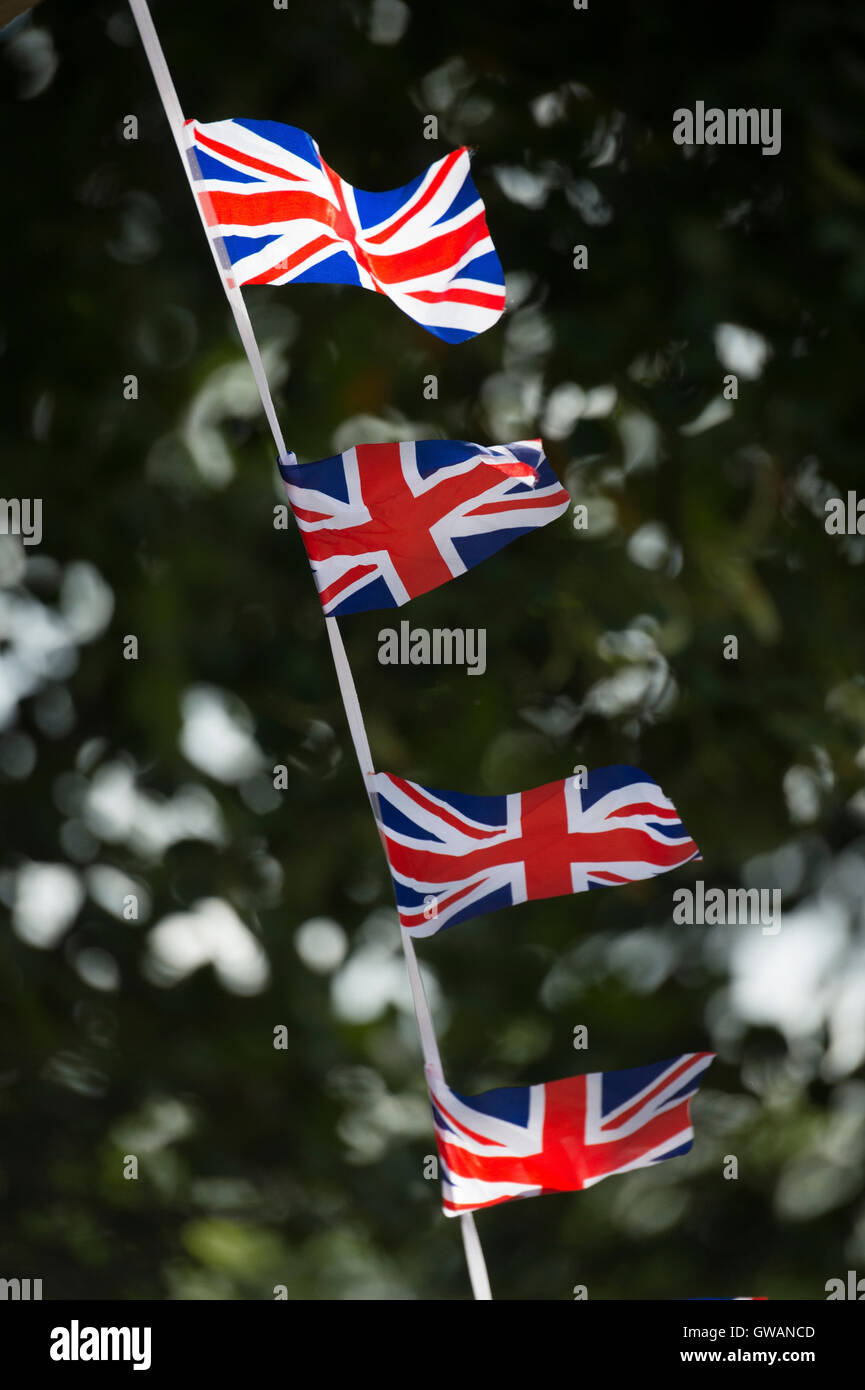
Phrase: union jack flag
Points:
(383, 523)
(454, 856)
(284, 216)
(524, 1141)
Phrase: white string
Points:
(183, 140)
(429, 1043)
(354, 717)
(477, 1265)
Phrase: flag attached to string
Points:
(285, 217)
(454, 856)
(523, 1141)
(383, 523)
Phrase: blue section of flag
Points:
(509, 1103)
(675, 1153)
(289, 137)
(378, 207)
(211, 167)
(325, 475)
(432, 455)
(466, 198)
(609, 779)
(473, 549)
(376, 594)
(485, 267)
(621, 1086)
(239, 246)
(338, 269)
(491, 811)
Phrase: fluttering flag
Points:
(286, 217)
(523, 1141)
(454, 856)
(383, 523)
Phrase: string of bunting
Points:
(383, 523)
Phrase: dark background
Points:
(153, 1037)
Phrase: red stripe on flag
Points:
(405, 916)
(241, 158)
(419, 203)
(440, 811)
(473, 1206)
(463, 1129)
(335, 589)
(455, 295)
(514, 469)
(269, 206)
(433, 254)
(303, 515)
(518, 500)
(659, 1086)
(289, 262)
